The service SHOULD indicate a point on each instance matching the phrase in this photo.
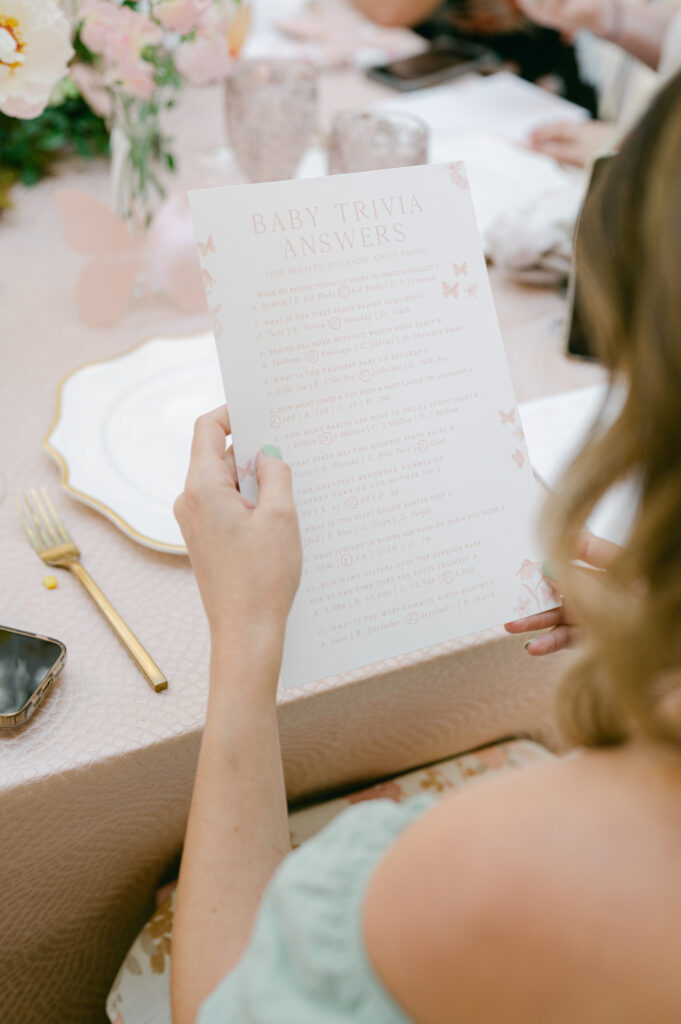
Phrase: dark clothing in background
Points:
(499, 25)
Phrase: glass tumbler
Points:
(370, 140)
(271, 116)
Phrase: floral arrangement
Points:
(35, 49)
(125, 60)
(30, 148)
(146, 45)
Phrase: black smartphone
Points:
(577, 340)
(29, 665)
(436, 65)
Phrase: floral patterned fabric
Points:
(141, 992)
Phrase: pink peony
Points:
(134, 76)
(202, 60)
(120, 35)
(92, 89)
(99, 25)
(206, 58)
(181, 16)
(35, 49)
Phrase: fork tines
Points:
(41, 520)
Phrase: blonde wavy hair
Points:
(629, 252)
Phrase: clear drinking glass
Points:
(369, 140)
(271, 115)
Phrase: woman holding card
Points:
(550, 895)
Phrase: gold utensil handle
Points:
(153, 674)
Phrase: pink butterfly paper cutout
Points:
(105, 284)
(506, 417)
(461, 269)
(450, 289)
(163, 259)
(518, 458)
(458, 176)
(206, 247)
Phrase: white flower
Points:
(35, 49)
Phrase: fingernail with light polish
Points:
(528, 642)
(549, 570)
(271, 449)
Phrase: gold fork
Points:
(49, 537)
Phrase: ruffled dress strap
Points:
(306, 962)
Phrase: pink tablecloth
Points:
(94, 791)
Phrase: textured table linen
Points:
(94, 791)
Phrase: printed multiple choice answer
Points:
(347, 354)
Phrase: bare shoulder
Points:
(508, 899)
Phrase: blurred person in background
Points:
(536, 52)
(626, 48)
(609, 56)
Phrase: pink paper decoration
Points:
(163, 260)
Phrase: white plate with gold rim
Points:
(123, 427)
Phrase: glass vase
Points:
(139, 160)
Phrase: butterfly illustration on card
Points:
(206, 247)
(458, 176)
(518, 458)
(208, 280)
(506, 417)
(245, 471)
(472, 291)
(461, 269)
(214, 314)
(450, 290)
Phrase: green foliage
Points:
(165, 73)
(28, 149)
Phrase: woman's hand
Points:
(574, 143)
(247, 559)
(562, 630)
(570, 15)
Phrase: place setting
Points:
(122, 427)
(128, 469)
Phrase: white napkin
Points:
(556, 428)
(533, 244)
(502, 104)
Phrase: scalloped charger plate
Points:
(123, 428)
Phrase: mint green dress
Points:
(306, 962)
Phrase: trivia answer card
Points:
(356, 331)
